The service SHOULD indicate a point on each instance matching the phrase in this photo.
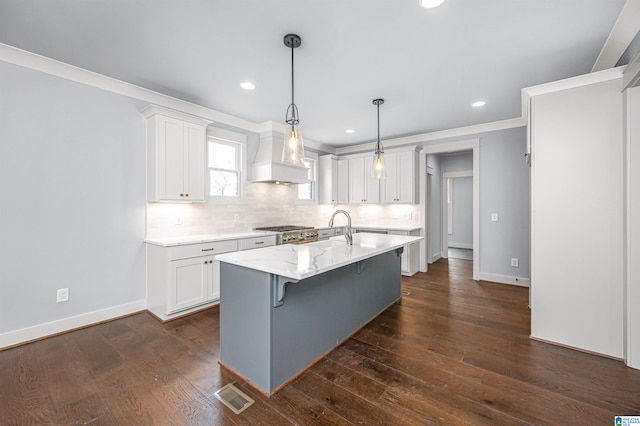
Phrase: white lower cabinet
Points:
(184, 278)
(193, 282)
(410, 260)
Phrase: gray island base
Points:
(273, 327)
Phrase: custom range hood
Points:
(268, 165)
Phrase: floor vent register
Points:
(234, 398)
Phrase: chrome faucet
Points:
(347, 231)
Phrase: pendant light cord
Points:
(379, 147)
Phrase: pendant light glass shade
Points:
(378, 165)
(293, 146)
(378, 170)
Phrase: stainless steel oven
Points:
(292, 234)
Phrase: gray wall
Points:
(504, 189)
(462, 196)
(72, 214)
(462, 206)
(457, 162)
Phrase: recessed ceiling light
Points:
(350, 131)
(247, 85)
(430, 4)
(478, 104)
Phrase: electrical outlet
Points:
(494, 217)
(514, 262)
(236, 217)
(178, 220)
(62, 295)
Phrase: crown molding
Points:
(50, 66)
(432, 136)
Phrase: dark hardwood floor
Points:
(454, 351)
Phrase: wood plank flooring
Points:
(454, 351)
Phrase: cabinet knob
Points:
(182, 195)
(186, 195)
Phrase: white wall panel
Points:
(577, 217)
(632, 354)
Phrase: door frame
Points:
(442, 148)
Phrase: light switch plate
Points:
(494, 217)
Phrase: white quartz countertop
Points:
(204, 238)
(305, 260)
(407, 228)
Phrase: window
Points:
(307, 191)
(225, 160)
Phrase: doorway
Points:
(457, 213)
(427, 201)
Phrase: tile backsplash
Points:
(266, 204)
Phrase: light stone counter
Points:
(306, 260)
(203, 238)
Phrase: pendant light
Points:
(293, 147)
(378, 156)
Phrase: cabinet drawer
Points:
(257, 242)
(202, 249)
(326, 233)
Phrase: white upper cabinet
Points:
(363, 187)
(175, 156)
(343, 181)
(399, 186)
(334, 179)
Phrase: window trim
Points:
(228, 137)
(314, 181)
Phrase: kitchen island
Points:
(282, 308)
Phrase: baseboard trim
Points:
(461, 245)
(504, 279)
(576, 348)
(36, 332)
(435, 257)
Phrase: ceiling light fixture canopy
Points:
(378, 156)
(293, 147)
(430, 4)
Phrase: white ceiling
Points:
(428, 65)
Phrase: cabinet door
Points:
(406, 177)
(342, 180)
(170, 174)
(357, 184)
(213, 275)
(328, 176)
(390, 184)
(404, 259)
(188, 283)
(194, 162)
(372, 186)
